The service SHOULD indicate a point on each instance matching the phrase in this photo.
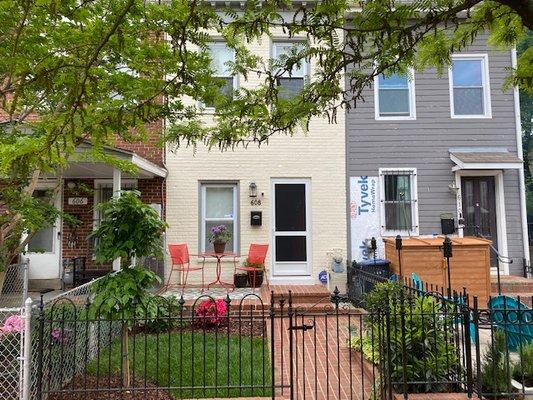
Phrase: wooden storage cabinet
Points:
(469, 266)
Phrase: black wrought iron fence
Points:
(405, 341)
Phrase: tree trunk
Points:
(125, 356)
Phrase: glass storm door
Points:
(291, 228)
(479, 209)
(43, 249)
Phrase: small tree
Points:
(129, 229)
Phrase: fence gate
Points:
(317, 342)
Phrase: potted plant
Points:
(240, 279)
(255, 274)
(220, 235)
(523, 372)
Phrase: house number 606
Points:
(255, 202)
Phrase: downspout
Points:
(522, 184)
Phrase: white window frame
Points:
(211, 109)
(412, 100)
(485, 80)
(414, 204)
(203, 219)
(306, 67)
(98, 186)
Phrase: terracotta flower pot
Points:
(219, 247)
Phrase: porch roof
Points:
(85, 168)
(484, 159)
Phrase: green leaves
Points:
(124, 295)
(129, 228)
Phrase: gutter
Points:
(522, 185)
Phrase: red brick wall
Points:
(152, 191)
(150, 149)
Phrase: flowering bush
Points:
(220, 234)
(211, 313)
(12, 324)
(9, 336)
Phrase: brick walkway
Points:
(324, 367)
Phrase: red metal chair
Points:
(181, 262)
(256, 255)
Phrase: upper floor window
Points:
(399, 201)
(218, 207)
(291, 83)
(221, 56)
(469, 87)
(395, 97)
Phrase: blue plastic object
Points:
(514, 318)
(417, 282)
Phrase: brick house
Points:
(84, 184)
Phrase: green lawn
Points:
(249, 363)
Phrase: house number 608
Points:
(255, 202)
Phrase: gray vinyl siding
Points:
(424, 144)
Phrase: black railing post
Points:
(399, 245)
(447, 250)
(404, 347)
(40, 350)
(374, 247)
(290, 313)
(272, 345)
(468, 350)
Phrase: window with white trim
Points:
(221, 57)
(399, 201)
(291, 82)
(469, 87)
(218, 207)
(395, 96)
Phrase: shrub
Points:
(425, 345)
(211, 313)
(495, 368)
(163, 319)
(523, 370)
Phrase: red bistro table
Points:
(219, 257)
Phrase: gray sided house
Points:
(428, 148)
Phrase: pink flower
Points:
(14, 323)
(211, 313)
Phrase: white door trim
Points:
(296, 278)
(501, 220)
(56, 237)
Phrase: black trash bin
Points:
(378, 267)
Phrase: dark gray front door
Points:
(479, 209)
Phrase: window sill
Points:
(398, 118)
(471, 116)
(401, 233)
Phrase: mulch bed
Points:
(86, 384)
(255, 328)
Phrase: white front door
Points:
(44, 248)
(291, 225)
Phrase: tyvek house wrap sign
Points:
(364, 216)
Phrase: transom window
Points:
(395, 97)
(218, 207)
(221, 56)
(399, 203)
(291, 83)
(469, 87)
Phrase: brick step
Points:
(300, 293)
(512, 284)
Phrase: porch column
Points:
(117, 178)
